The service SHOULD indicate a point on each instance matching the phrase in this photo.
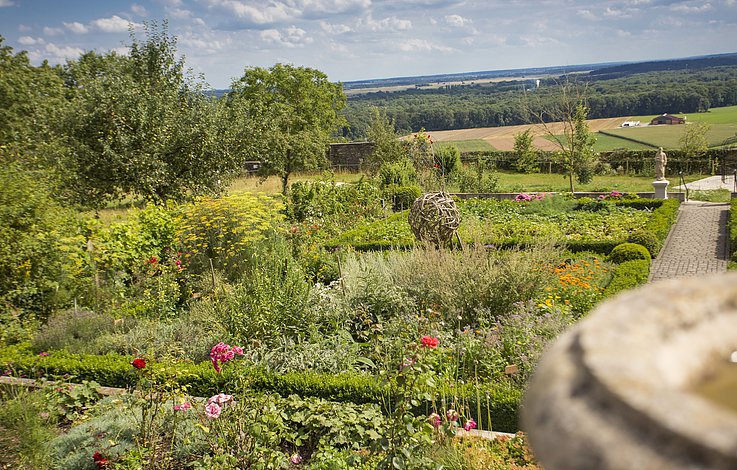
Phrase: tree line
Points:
(106, 126)
(505, 103)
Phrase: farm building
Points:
(630, 123)
(349, 155)
(666, 118)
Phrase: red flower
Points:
(102, 463)
(138, 363)
(97, 456)
(429, 342)
(153, 260)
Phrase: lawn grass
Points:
(272, 184)
(606, 143)
(463, 146)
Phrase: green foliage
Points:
(293, 110)
(647, 239)
(662, 219)
(399, 173)
(26, 427)
(402, 197)
(628, 275)
(526, 158)
(40, 251)
(333, 206)
(141, 125)
(479, 180)
(629, 252)
(112, 370)
(224, 230)
(733, 230)
(387, 147)
(448, 160)
(270, 301)
(693, 141)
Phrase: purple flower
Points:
(44, 354)
(434, 419)
(296, 459)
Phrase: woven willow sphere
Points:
(434, 217)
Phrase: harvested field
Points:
(502, 138)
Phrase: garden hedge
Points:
(733, 230)
(201, 380)
(664, 213)
(628, 275)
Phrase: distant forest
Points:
(679, 86)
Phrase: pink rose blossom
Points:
(296, 459)
(213, 410)
(221, 399)
(470, 424)
(434, 419)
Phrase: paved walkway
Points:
(698, 244)
(711, 183)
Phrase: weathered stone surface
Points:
(614, 392)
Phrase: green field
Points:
(463, 146)
(667, 136)
(517, 182)
(607, 142)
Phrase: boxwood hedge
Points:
(201, 380)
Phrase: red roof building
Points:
(667, 119)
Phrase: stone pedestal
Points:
(617, 390)
(661, 189)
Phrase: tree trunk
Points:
(284, 182)
(570, 181)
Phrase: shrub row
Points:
(659, 224)
(201, 380)
(628, 275)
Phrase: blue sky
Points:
(361, 39)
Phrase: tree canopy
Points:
(292, 112)
(142, 125)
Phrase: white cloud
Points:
(457, 20)
(30, 41)
(422, 45)
(76, 27)
(6, 3)
(334, 28)
(48, 31)
(586, 14)
(616, 13)
(139, 10)
(259, 15)
(730, 3)
(391, 23)
(683, 8)
(55, 54)
(114, 24)
(290, 37)
(24, 28)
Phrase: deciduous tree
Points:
(291, 113)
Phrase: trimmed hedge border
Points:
(201, 380)
(628, 275)
(659, 224)
(733, 230)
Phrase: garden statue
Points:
(661, 160)
(434, 217)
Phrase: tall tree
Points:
(525, 154)
(291, 112)
(143, 125)
(387, 147)
(693, 140)
(564, 122)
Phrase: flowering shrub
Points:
(524, 197)
(222, 353)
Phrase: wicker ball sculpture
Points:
(434, 217)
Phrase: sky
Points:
(366, 39)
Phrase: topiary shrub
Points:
(646, 239)
(628, 252)
(402, 197)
